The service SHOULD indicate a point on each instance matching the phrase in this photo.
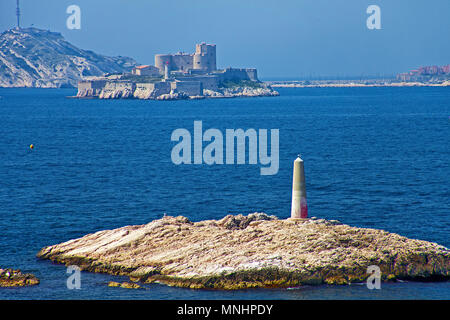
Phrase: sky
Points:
(283, 39)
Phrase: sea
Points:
(374, 157)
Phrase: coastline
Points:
(293, 84)
(136, 91)
(272, 84)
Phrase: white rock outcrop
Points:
(252, 251)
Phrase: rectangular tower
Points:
(205, 57)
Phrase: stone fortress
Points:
(178, 76)
(203, 60)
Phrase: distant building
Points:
(203, 60)
(446, 69)
(146, 71)
(185, 73)
(425, 73)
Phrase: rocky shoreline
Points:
(15, 278)
(147, 94)
(252, 251)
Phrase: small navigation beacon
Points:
(299, 208)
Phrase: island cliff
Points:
(150, 91)
(32, 57)
(251, 251)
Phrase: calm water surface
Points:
(374, 157)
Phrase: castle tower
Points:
(163, 60)
(205, 57)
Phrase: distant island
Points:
(36, 58)
(178, 76)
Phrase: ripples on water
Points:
(374, 157)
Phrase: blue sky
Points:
(283, 38)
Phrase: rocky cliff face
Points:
(263, 91)
(123, 90)
(252, 251)
(33, 57)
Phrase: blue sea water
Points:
(374, 157)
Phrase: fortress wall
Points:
(151, 90)
(231, 74)
(98, 84)
(252, 74)
(84, 85)
(160, 61)
(119, 85)
(210, 83)
(145, 86)
(117, 89)
(182, 62)
(144, 90)
(207, 82)
(191, 88)
(90, 88)
(91, 84)
(162, 88)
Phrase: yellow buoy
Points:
(31, 146)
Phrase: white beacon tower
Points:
(299, 208)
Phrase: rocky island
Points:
(178, 76)
(36, 58)
(15, 278)
(251, 251)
